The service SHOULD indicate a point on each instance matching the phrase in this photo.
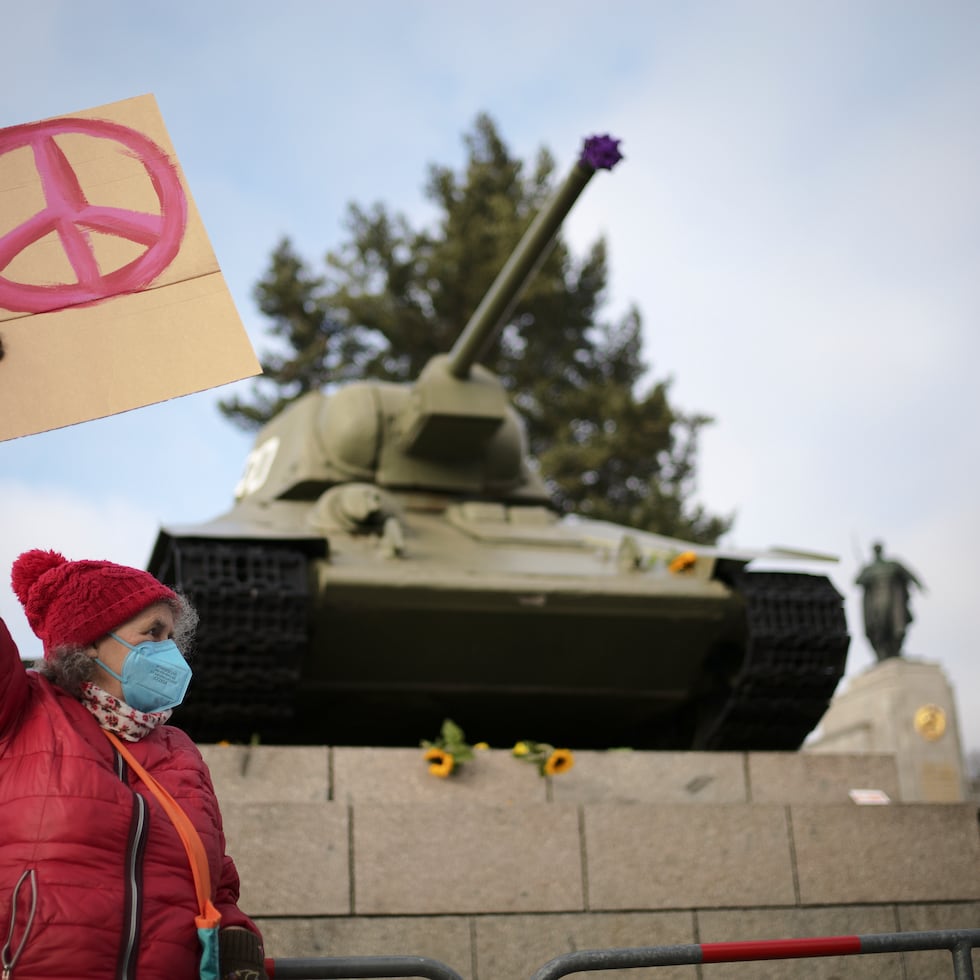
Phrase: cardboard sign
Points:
(110, 294)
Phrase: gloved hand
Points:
(240, 955)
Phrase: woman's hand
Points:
(240, 955)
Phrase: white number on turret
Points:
(257, 466)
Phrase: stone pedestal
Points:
(359, 851)
(903, 706)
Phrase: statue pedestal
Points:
(902, 706)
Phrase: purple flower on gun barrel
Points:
(601, 152)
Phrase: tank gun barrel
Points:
(598, 153)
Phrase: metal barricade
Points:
(958, 942)
(357, 967)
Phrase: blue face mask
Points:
(154, 677)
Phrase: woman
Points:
(94, 877)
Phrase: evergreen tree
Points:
(392, 296)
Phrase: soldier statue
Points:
(886, 585)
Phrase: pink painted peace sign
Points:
(69, 214)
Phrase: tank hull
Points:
(538, 634)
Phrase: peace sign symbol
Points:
(69, 215)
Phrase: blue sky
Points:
(797, 219)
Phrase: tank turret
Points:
(392, 559)
(453, 429)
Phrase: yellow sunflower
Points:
(522, 748)
(561, 760)
(441, 763)
(684, 562)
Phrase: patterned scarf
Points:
(117, 716)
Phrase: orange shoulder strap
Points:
(209, 915)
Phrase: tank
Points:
(392, 559)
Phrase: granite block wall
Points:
(494, 871)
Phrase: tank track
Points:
(254, 602)
(795, 655)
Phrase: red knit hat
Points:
(76, 602)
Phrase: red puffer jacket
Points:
(113, 886)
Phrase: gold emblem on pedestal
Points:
(930, 722)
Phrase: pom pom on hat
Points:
(29, 567)
(76, 602)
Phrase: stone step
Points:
(271, 774)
